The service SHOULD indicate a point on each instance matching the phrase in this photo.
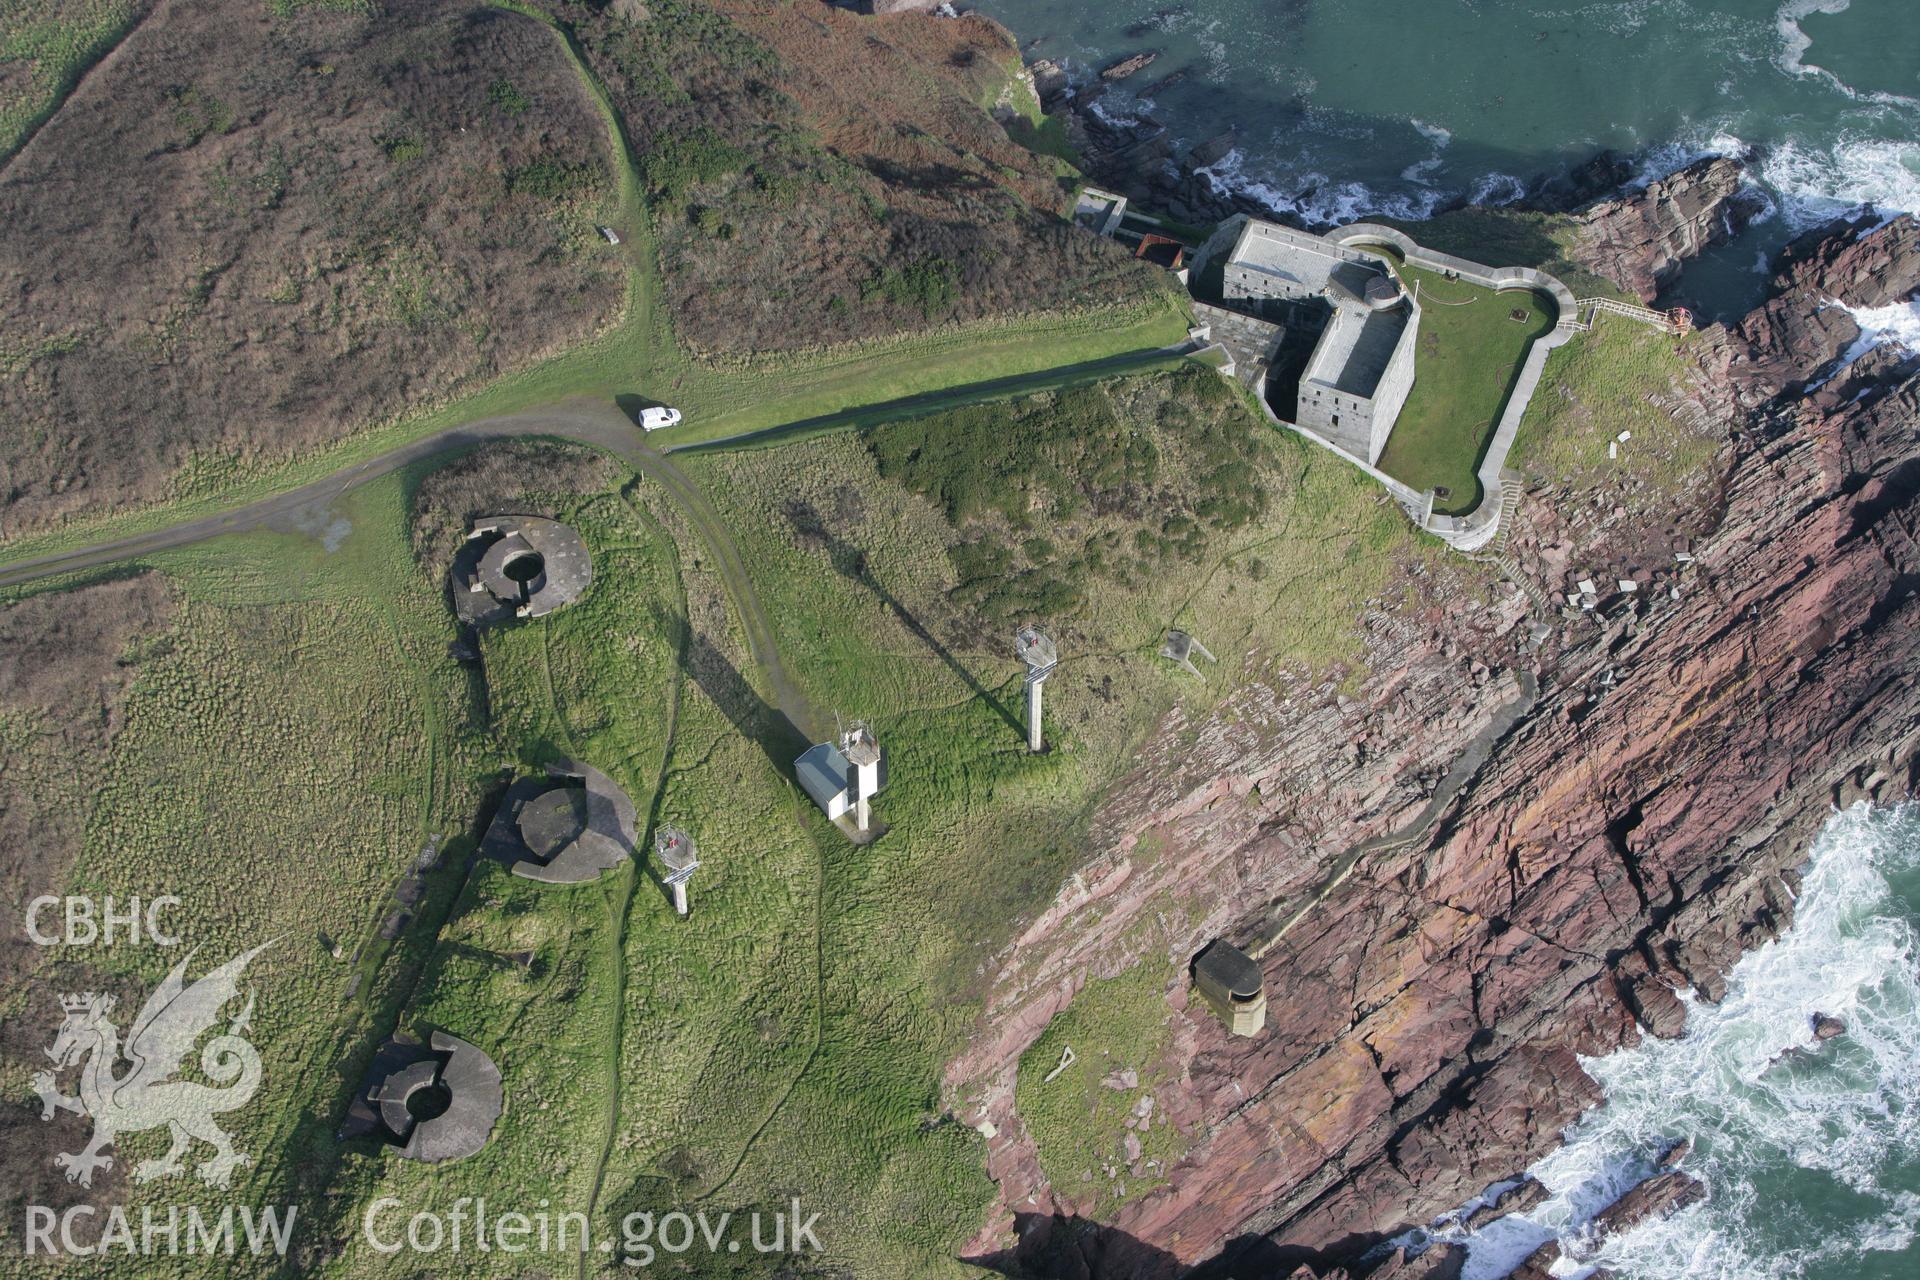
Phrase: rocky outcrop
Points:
(1793, 342)
(1624, 841)
(1051, 83)
(1131, 65)
(1639, 241)
(1440, 1262)
(1538, 1264)
(1660, 1196)
(1516, 1199)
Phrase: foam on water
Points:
(1497, 189)
(1795, 42)
(1816, 184)
(1897, 323)
(1421, 172)
(1778, 1119)
(1317, 199)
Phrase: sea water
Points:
(1349, 108)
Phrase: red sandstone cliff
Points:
(1627, 837)
(1641, 241)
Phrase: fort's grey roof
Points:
(1367, 324)
(1355, 349)
(518, 566)
(1227, 970)
(1301, 259)
(569, 827)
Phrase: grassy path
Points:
(54, 55)
(733, 573)
(1054, 379)
(620, 904)
(618, 897)
(598, 425)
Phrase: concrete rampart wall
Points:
(1361, 233)
(1478, 527)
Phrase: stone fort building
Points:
(1342, 311)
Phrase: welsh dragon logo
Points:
(167, 1027)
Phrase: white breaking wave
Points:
(1814, 185)
(1319, 200)
(1497, 189)
(1669, 158)
(1770, 1109)
(1897, 323)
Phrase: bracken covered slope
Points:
(246, 235)
(1627, 837)
(817, 176)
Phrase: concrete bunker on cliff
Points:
(1231, 983)
(437, 1101)
(571, 826)
(518, 567)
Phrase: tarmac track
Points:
(601, 426)
(588, 422)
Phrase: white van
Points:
(657, 417)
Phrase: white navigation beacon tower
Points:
(678, 860)
(862, 753)
(1033, 647)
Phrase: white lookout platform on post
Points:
(858, 745)
(1033, 647)
(678, 861)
